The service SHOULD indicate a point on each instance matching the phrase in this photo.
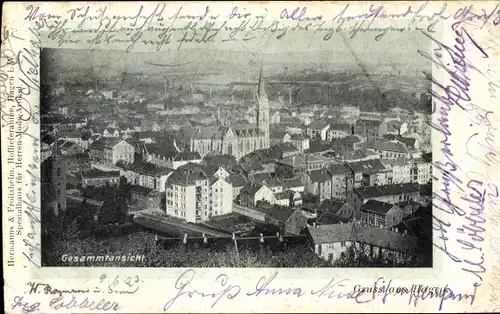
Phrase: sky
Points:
(296, 51)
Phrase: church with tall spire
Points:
(236, 140)
(53, 171)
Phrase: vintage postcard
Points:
(250, 156)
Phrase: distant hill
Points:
(69, 64)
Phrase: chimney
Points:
(210, 93)
(290, 96)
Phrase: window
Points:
(58, 171)
(342, 244)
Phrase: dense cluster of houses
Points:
(325, 171)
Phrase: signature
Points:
(226, 290)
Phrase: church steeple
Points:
(261, 91)
(56, 151)
(263, 110)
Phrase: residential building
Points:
(294, 129)
(250, 194)
(111, 132)
(393, 193)
(338, 130)
(293, 184)
(282, 199)
(110, 150)
(145, 174)
(395, 127)
(296, 165)
(77, 163)
(401, 170)
(370, 128)
(221, 196)
(318, 130)
(278, 137)
(342, 180)
(95, 177)
(408, 170)
(301, 142)
(274, 184)
(194, 196)
(346, 144)
(318, 182)
(368, 173)
(423, 171)
(290, 221)
(330, 241)
(387, 149)
(380, 214)
(412, 143)
(283, 150)
(328, 218)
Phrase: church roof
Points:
(250, 132)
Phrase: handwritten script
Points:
(172, 27)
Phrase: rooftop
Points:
(319, 175)
(367, 166)
(377, 207)
(383, 238)
(387, 190)
(96, 173)
(392, 146)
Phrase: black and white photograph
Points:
(294, 154)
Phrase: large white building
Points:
(408, 170)
(194, 196)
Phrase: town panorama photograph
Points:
(229, 157)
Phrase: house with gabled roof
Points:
(277, 137)
(393, 194)
(342, 179)
(111, 150)
(238, 181)
(293, 184)
(250, 194)
(380, 214)
(329, 241)
(368, 172)
(289, 220)
(387, 149)
(274, 184)
(145, 174)
(318, 129)
(318, 182)
(300, 141)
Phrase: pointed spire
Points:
(261, 91)
(218, 116)
(56, 151)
